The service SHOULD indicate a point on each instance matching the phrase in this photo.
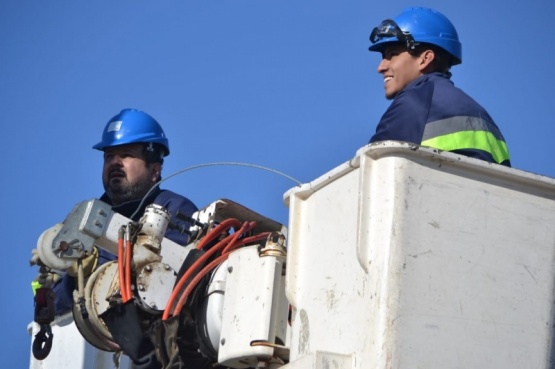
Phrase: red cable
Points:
(121, 272)
(177, 288)
(195, 280)
(224, 226)
(247, 226)
(231, 247)
(256, 237)
(128, 258)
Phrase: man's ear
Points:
(426, 59)
(156, 171)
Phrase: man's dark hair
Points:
(154, 153)
(443, 60)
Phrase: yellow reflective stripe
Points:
(35, 285)
(480, 140)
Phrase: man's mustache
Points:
(116, 172)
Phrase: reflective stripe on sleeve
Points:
(481, 140)
(460, 123)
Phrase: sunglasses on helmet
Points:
(387, 29)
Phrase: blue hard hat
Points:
(418, 25)
(132, 126)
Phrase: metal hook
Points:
(43, 342)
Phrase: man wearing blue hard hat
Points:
(418, 49)
(134, 147)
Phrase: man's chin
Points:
(116, 180)
(119, 195)
(119, 191)
(391, 95)
(115, 188)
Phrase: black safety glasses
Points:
(387, 29)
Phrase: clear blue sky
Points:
(284, 84)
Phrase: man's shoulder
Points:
(418, 94)
(441, 89)
(169, 198)
(169, 194)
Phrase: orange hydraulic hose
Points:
(196, 280)
(251, 239)
(121, 260)
(128, 263)
(217, 230)
(247, 226)
(190, 271)
(230, 246)
(256, 237)
(224, 226)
